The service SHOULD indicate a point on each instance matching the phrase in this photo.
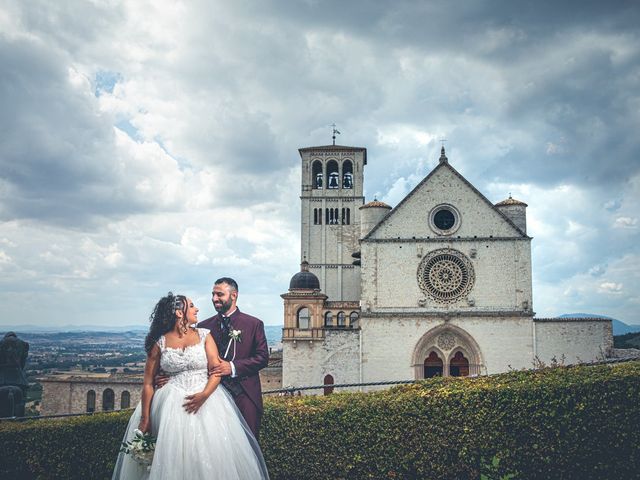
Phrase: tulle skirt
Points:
(213, 444)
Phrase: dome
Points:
(304, 279)
(510, 201)
(375, 204)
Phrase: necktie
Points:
(226, 324)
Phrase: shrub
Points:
(579, 422)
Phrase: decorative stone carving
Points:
(446, 341)
(446, 275)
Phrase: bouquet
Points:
(141, 447)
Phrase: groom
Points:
(242, 345)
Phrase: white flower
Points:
(141, 447)
(236, 335)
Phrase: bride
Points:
(200, 433)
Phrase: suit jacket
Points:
(252, 353)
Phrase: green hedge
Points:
(580, 422)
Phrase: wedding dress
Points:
(214, 443)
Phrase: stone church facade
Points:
(438, 285)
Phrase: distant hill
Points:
(619, 328)
(628, 340)
(34, 333)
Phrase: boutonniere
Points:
(235, 336)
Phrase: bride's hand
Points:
(194, 402)
(145, 425)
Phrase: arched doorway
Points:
(457, 350)
(328, 380)
(459, 365)
(433, 366)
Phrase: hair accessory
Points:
(177, 303)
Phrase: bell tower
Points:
(332, 192)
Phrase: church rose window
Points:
(446, 275)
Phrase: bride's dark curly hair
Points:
(163, 318)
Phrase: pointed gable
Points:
(445, 186)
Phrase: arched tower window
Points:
(353, 319)
(459, 365)
(347, 174)
(433, 366)
(317, 216)
(328, 382)
(304, 317)
(333, 177)
(332, 217)
(108, 399)
(328, 319)
(91, 401)
(316, 174)
(125, 399)
(341, 320)
(346, 216)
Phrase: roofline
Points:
(335, 148)
(461, 177)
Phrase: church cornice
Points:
(448, 315)
(334, 149)
(319, 198)
(347, 305)
(332, 265)
(445, 239)
(571, 319)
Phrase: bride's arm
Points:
(195, 401)
(150, 370)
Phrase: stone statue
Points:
(13, 381)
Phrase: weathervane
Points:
(334, 133)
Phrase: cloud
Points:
(149, 146)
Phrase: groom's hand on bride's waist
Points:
(223, 369)
(160, 380)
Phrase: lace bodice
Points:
(187, 368)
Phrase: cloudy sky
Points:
(148, 146)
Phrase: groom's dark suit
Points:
(251, 355)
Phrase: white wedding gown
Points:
(213, 444)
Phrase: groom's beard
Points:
(223, 307)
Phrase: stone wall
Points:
(573, 340)
(389, 343)
(69, 394)
(306, 363)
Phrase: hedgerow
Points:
(570, 423)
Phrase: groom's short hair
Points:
(229, 281)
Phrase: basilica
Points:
(440, 284)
